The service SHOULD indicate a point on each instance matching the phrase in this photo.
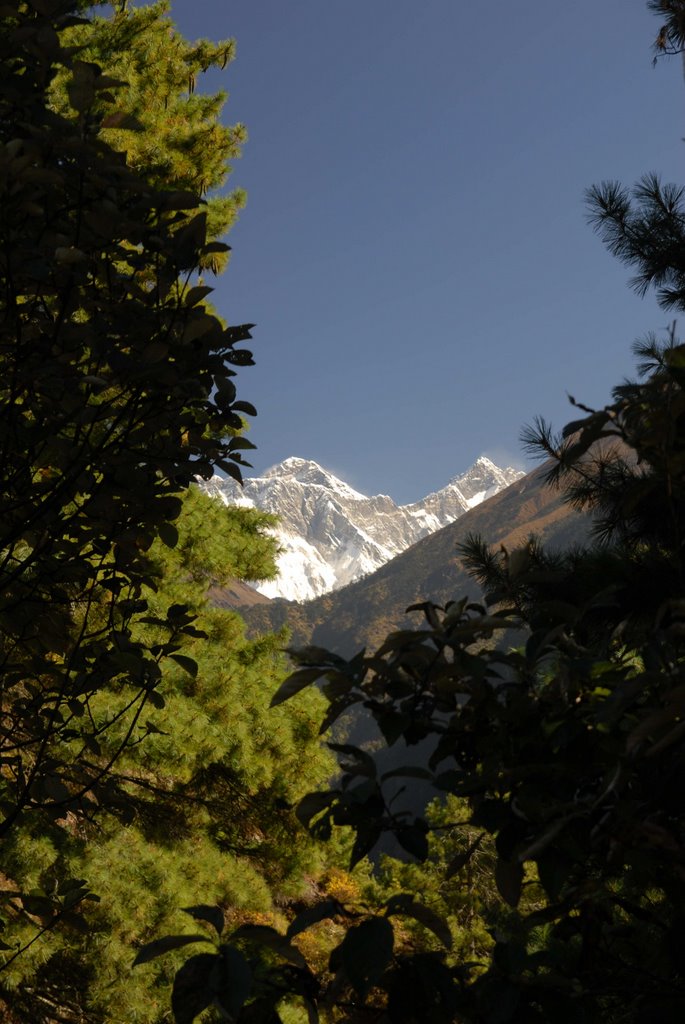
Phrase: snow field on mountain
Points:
(329, 534)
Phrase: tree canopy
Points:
(117, 389)
(170, 131)
(137, 765)
(200, 801)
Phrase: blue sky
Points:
(414, 251)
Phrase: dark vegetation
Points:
(150, 802)
(140, 766)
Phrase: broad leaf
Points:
(311, 805)
(509, 878)
(312, 915)
(168, 534)
(367, 836)
(189, 664)
(192, 992)
(294, 683)
(211, 914)
(160, 946)
(405, 904)
(264, 935)
(365, 952)
(414, 839)
(231, 980)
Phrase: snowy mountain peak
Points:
(483, 465)
(329, 534)
(292, 466)
(310, 473)
(483, 480)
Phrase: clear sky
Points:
(414, 250)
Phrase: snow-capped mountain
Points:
(330, 534)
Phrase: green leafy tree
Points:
(139, 766)
(208, 786)
(117, 390)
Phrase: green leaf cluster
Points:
(205, 796)
(170, 131)
(138, 767)
(111, 402)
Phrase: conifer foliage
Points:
(117, 388)
(204, 810)
(169, 128)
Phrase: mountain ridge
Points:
(362, 613)
(330, 534)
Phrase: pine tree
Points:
(671, 36)
(170, 131)
(98, 436)
(142, 771)
(209, 784)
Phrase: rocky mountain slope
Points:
(362, 613)
(331, 535)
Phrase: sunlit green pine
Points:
(181, 142)
(198, 808)
(212, 792)
(464, 896)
